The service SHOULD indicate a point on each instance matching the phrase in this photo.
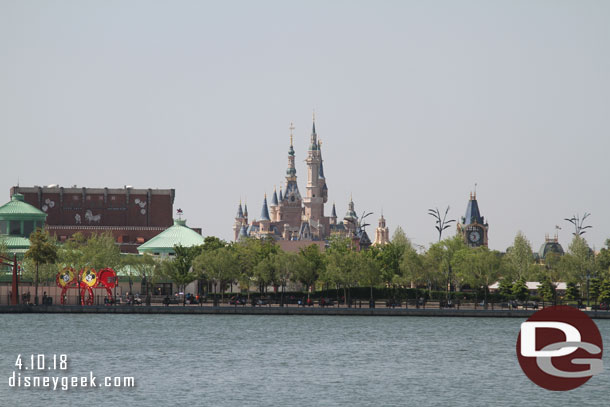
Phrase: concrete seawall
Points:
(231, 310)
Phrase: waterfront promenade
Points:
(276, 310)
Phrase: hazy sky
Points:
(415, 102)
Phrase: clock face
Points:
(474, 236)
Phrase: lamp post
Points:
(579, 230)
(588, 278)
(579, 227)
(441, 223)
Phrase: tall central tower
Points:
(289, 211)
(316, 190)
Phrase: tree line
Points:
(257, 264)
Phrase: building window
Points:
(28, 227)
(15, 227)
(3, 227)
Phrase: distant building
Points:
(473, 227)
(550, 245)
(382, 233)
(291, 217)
(132, 216)
(18, 220)
(178, 235)
(533, 286)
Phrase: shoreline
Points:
(239, 310)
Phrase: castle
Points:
(291, 217)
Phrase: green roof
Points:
(16, 208)
(15, 244)
(177, 235)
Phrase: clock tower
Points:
(473, 226)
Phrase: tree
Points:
(578, 263)
(340, 266)
(478, 267)
(248, 254)
(72, 255)
(42, 251)
(604, 295)
(595, 288)
(572, 292)
(368, 269)
(546, 289)
(179, 269)
(520, 256)
(442, 255)
(411, 268)
(100, 251)
(520, 290)
(506, 287)
(310, 265)
(147, 268)
(390, 257)
(264, 272)
(284, 265)
(213, 243)
(603, 260)
(221, 266)
(552, 266)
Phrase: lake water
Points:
(214, 360)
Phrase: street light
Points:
(441, 223)
(579, 230)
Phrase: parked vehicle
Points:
(238, 300)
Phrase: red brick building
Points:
(133, 216)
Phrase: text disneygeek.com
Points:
(42, 363)
(69, 382)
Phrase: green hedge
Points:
(383, 293)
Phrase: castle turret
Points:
(264, 221)
(290, 202)
(350, 220)
(382, 233)
(321, 177)
(265, 210)
(314, 198)
(473, 226)
(333, 215)
(273, 208)
(239, 221)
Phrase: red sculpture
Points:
(89, 279)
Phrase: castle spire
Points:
(281, 197)
(240, 212)
(314, 141)
(291, 172)
(274, 198)
(265, 210)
